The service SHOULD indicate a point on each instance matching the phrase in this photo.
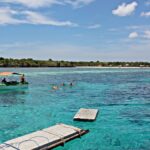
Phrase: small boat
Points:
(11, 85)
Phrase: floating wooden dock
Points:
(44, 139)
(86, 114)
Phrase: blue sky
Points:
(105, 30)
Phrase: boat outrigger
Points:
(4, 84)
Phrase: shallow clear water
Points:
(121, 95)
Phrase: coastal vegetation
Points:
(29, 62)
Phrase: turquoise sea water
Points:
(121, 95)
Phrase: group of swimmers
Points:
(56, 87)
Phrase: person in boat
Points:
(4, 80)
(22, 79)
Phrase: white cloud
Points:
(143, 35)
(148, 3)
(33, 3)
(9, 16)
(133, 35)
(145, 14)
(45, 3)
(37, 18)
(95, 26)
(113, 29)
(139, 28)
(78, 3)
(125, 9)
(133, 27)
(147, 34)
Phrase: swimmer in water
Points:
(63, 84)
(71, 84)
(55, 87)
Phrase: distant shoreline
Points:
(112, 67)
(98, 67)
(29, 62)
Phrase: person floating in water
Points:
(22, 79)
(63, 84)
(71, 84)
(55, 87)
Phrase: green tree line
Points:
(29, 62)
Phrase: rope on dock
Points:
(60, 136)
(40, 137)
(2, 147)
(10, 146)
(77, 130)
(27, 141)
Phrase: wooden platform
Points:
(44, 139)
(86, 114)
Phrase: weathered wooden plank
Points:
(44, 139)
(86, 114)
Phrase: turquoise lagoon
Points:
(121, 95)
